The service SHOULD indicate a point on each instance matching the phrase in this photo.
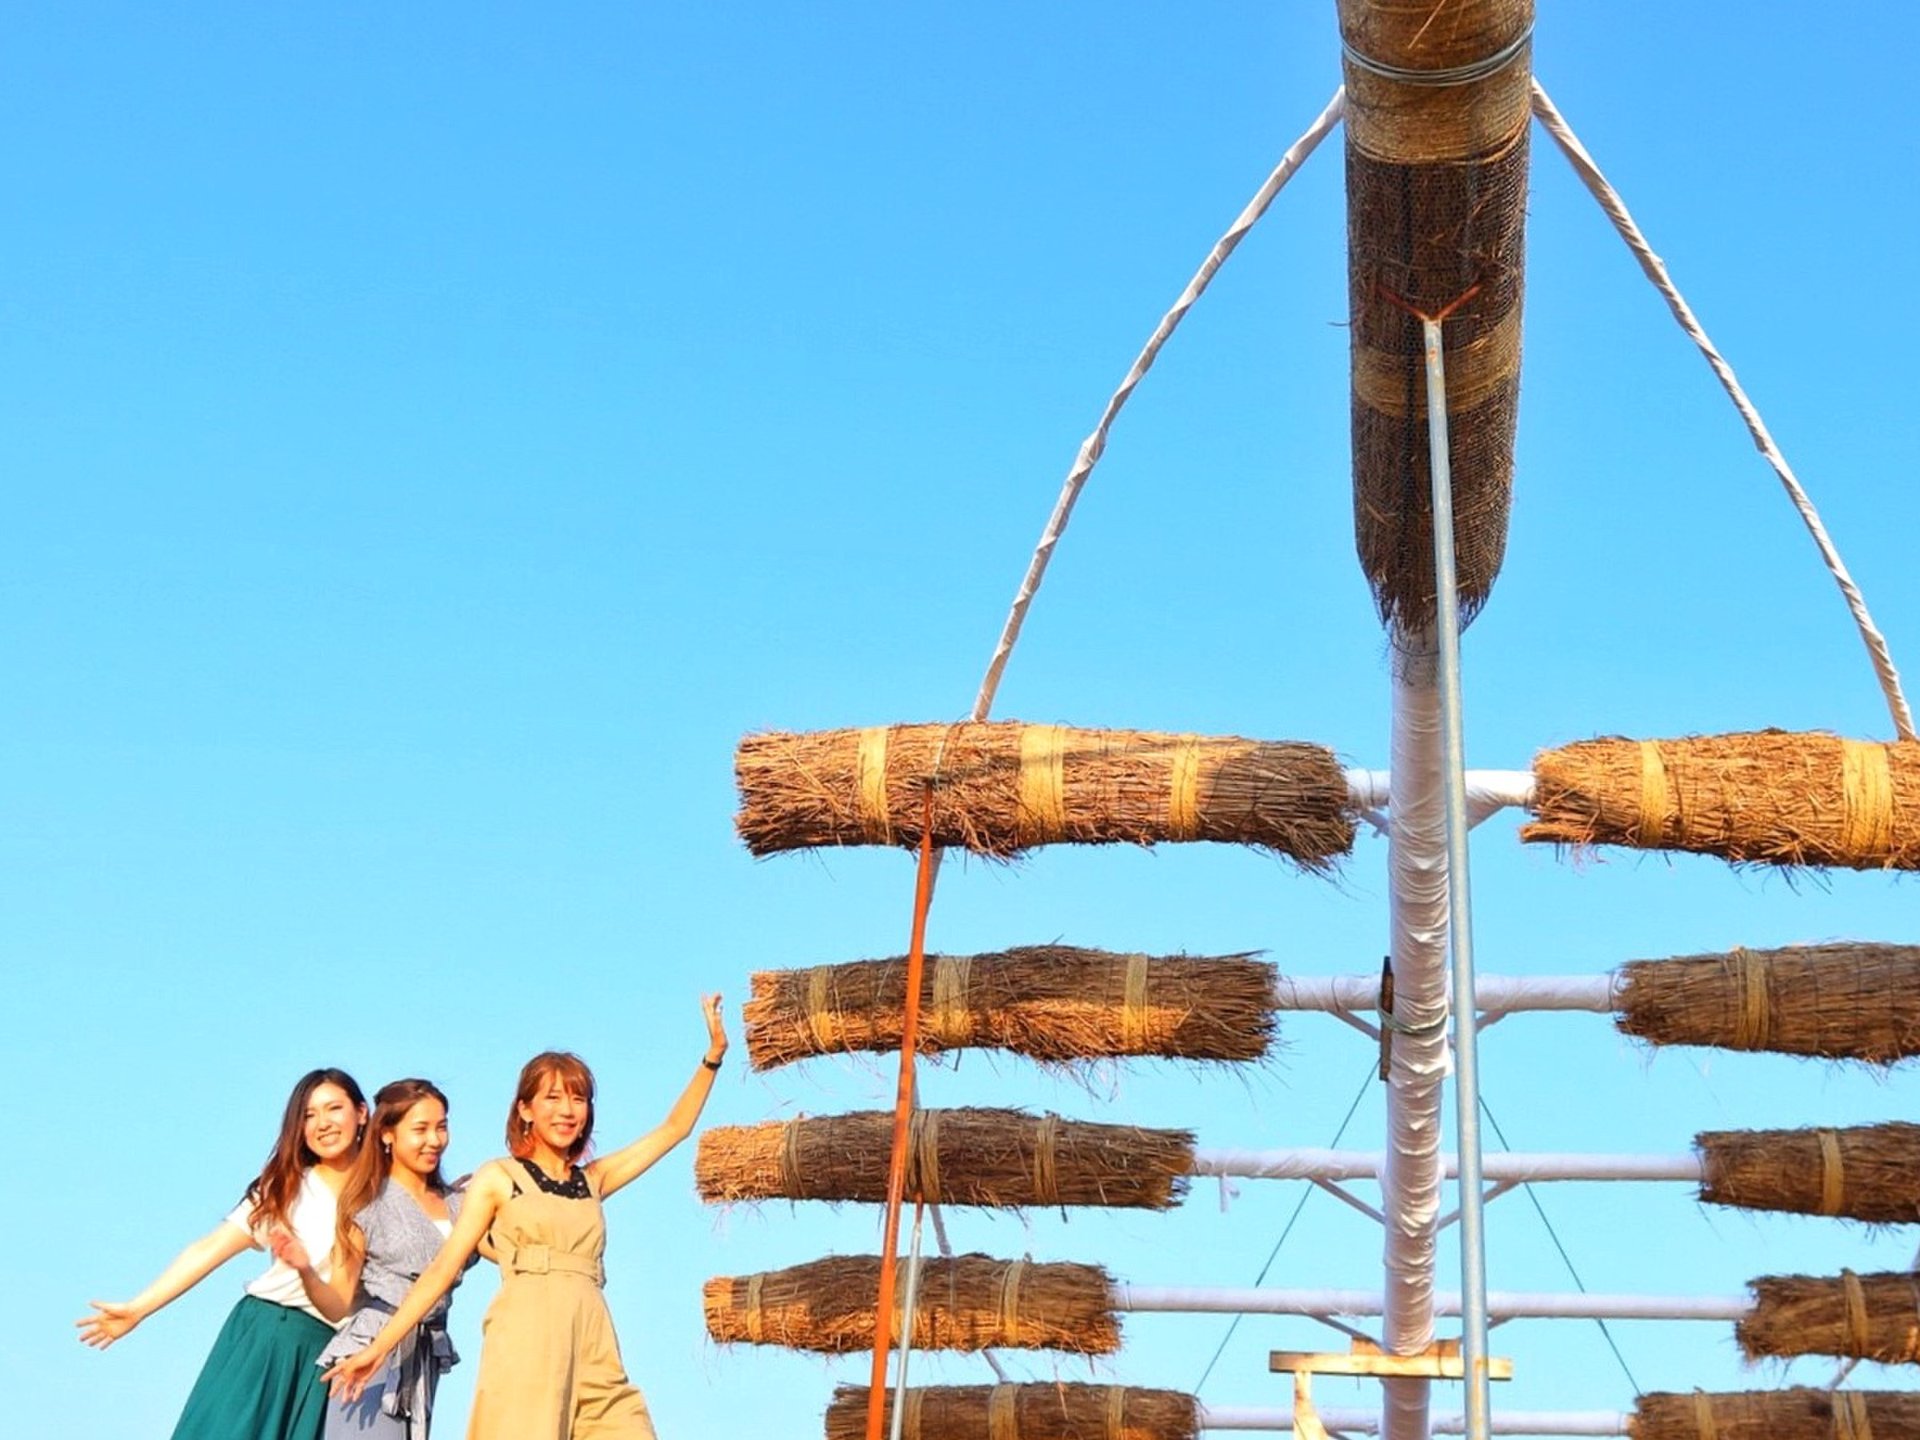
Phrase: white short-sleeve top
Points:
(311, 1218)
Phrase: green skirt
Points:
(260, 1383)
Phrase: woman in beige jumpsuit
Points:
(549, 1366)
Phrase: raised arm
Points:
(112, 1319)
(333, 1298)
(610, 1172)
(485, 1196)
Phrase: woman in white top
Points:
(258, 1381)
(395, 1212)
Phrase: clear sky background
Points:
(433, 435)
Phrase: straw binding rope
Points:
(1116, 1412)
(1656, 797)
(1046, 1168)
(871, 769)
(1003, 1420)
(952, 1023)
(1010, 1298)
(822, 1018)
(1832, 1176)
(1703, 1416)
(1858, 1334)
(1183, 791)
(1453, 75)
(1850, 1421)
(923, 1132)
(1043, 783)
(790, 1158)
(1867, 799)
(1753, 1025)
(1133, 1005)
(756, 1329)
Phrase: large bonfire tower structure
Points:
(1439, 104)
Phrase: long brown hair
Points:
(273, 1190)
(571, 1071)
(375, 1162)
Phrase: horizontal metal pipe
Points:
(1360, 994)
(1501, 1304)
(1487, 790)
(1367, 1422)
(1514, 1166)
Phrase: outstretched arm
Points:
(485, 1196)
(112, 1319)
(624, 1166)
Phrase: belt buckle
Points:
(533, 1260)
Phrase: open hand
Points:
(348, 1378)
(716, 1026)
(287, 1249)
(111, 1319)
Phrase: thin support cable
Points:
(1565, 1258)
(1305, 1195)
(1092, 447)
(1656, 271)
(907, 1307)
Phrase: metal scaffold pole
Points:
(1473, 1259)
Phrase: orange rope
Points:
(902, 1114)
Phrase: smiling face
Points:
(559, 1115)
(418, 1139)
(330, 1126)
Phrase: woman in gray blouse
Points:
(395, 1211)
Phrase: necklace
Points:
(574, 1187)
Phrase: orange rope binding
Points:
(902, 1114)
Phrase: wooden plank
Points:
(1429, 1366)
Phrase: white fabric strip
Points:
(1656, 271)
(1422, 1058)
(1347, 1420)
(1487, 790)
(1501, 1304)
(1095, 443)
(1515, 1167)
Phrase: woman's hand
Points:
(110, 1321)
(348, 1378)
(716, 1028)
(288, 1250)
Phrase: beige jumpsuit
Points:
(549, 1363)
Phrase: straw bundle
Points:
(1001, 787)
(1867, 1172)
(1023, 1412)
(1870, 1317)
(1852, 1001)
(1436, 214)
(969, 1302)
(954, 1157)
(1053, 1003)
(1799, 1414)
(1768, 796)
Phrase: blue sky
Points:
(434, 437)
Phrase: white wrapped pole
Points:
(1417, 891)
